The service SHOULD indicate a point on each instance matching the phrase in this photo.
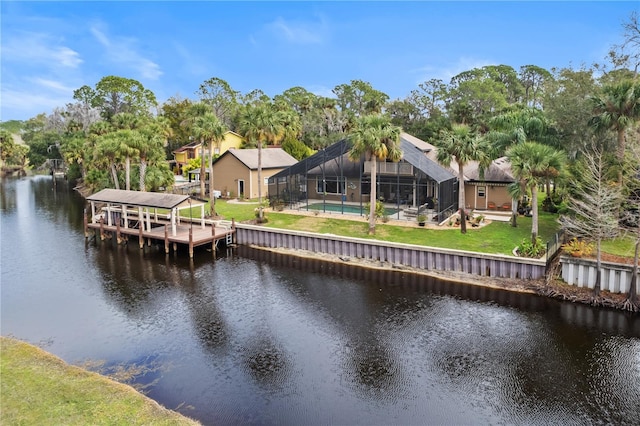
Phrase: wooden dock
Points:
(190, 234)
(154, 217)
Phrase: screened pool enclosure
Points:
(329, 182)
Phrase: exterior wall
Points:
(181, 157)
(615, 277)
(226, 173)
(231, 141)
(228, 170)
(495, 193)
(427, 258)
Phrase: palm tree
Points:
(461, 145)
(198, 110)
(108, 150)
(260, 123)
(532, 163)
(209, 128)
(375, 138)
(128, 147)
(617, 109)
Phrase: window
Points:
(331, 185)
(266, 181)
(481, 191)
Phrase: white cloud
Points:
(122, 51)
(53, 85)
(299, 32)
(40, 48)
(24, 104)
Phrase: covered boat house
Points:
(154, 216)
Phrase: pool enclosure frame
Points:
(328, 176)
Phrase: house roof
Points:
(417, 152)
(498, 171)
(190, 145)
(272, 158)
(422, 155)
(141, 198)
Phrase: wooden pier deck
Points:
(134, 213)
(190, 234)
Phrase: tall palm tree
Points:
(375, 138)
(531, 163)
(128, 148)
(108, 150)
(198, 110)
(209, 129)
(260, 123)
(617, 109)
(462, 145)
(148, 143)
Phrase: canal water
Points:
(252, 337)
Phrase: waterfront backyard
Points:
(496, 237)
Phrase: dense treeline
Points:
(546, 122)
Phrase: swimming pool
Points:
(348, 208)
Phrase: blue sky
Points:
(49, 49)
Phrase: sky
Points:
(49, 49)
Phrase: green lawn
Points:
(40, 389)
(496, 237)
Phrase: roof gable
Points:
(498, 171)
(272, 158)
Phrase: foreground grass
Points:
(38, 388)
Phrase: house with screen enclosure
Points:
(329, 182)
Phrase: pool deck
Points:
(398, 218)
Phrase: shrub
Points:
(380, 213)
(578, 247)
(529, 249)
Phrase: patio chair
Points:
(415, 211)
(492, 206)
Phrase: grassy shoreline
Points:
(39, 388)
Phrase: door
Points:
(240, 189)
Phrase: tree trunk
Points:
(596, 287)
(202, 169)
(534, 213)
(461, 199)
(620, 153)
(143, 174)
(373, 197)
(114, 174)
(127, 173)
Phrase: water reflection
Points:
(254, 337)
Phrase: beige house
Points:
(235, 173)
